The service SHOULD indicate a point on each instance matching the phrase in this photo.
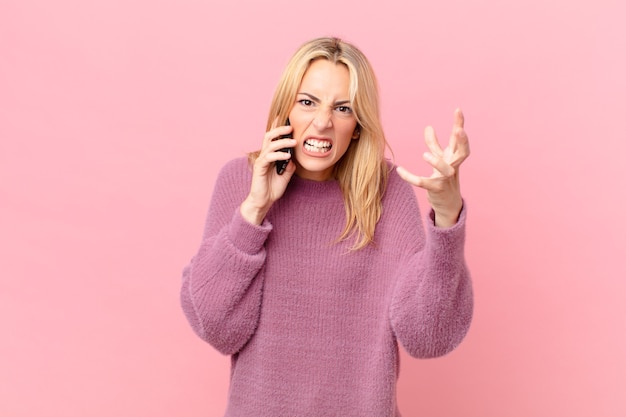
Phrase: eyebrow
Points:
(337, 103)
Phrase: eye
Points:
(344, 109)
(305, 102)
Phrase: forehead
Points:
(326, 76)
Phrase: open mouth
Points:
(316, 145)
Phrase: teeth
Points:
(314, 145)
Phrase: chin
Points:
(317, 171)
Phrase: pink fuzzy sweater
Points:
(313, 329)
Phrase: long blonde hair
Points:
(362, 171)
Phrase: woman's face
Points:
(322, 119)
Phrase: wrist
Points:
(251, 212)
(447, 218)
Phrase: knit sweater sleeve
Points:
(432, 305)
(222, 285)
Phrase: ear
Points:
(357, 132)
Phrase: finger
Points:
(409, 177)
(429, 184)
(457, 128)
(462, 149)
(266, 160)
(276, 132)
(431, 141)
(459, 118)
(439, 164)
(279, 156)
(274, 149)
(270, 134)
(435, 185)
(459, 143)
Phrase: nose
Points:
(323, 119)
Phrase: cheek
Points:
(299, 123)
(346, 131)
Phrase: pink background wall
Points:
(116, 115)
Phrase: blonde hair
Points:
(362, 171)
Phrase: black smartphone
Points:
(281, 165)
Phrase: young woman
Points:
(310, 279)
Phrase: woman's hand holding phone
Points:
(267, 184)
(281, 165)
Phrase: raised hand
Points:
(267, 186)
(443, 186)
